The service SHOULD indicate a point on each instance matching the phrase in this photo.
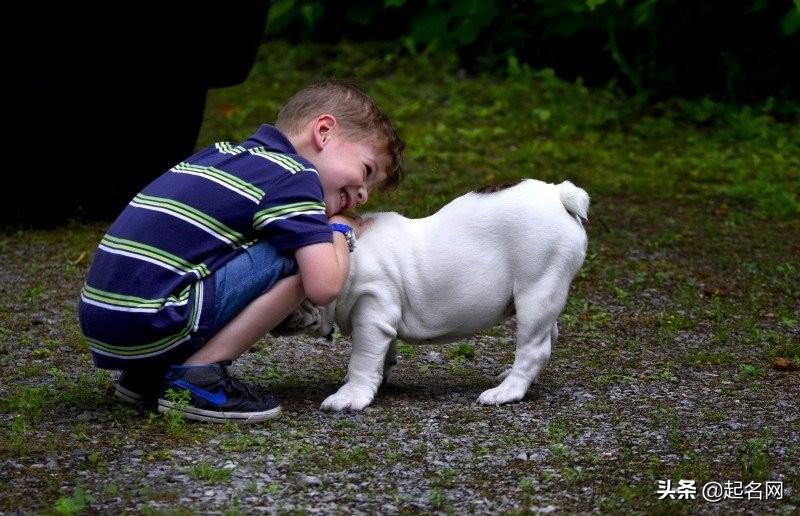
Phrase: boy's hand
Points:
(359, 224)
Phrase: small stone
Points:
(387, 507)
(522, 456)
(138, 452)
(310, 480)
(434, 357)
(209, 492)
(229, 465)
(543, 510)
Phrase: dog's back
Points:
(476, 251)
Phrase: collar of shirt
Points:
(272, 138)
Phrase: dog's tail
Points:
(575, 200)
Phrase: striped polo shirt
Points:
(144, 294)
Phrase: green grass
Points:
(205, 471)
(745, 162)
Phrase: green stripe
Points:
(267, 214)
(269, 220)
(288, 208)
(286, 213)
(226, 147)
(285, 210)
(152, 346)
(192, 213)
(282, 158)
(224, 177)
(113, 298)
(122, 300)
(153, 252)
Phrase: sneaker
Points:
(139, 386)
(215, 395)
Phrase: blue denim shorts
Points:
(243, 279)
(236, 284)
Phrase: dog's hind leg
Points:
(538, 307)
(553, 338)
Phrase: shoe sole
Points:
(128, 396)
(213, 416)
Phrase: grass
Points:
(687, 297)
(205, 471)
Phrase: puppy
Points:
(481, 258)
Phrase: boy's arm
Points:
(324, 268)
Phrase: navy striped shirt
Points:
(144, 294)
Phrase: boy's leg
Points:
(252, 323)
(255, 292)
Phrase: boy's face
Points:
(349, 171)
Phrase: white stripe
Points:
(233, 150)
(187, 219)
(118, 308)
(211, 178)
(199, 303)
(154, 353)
(176, 303)
(146, 259)
(130, 308)
(274, 160)
(290, 215)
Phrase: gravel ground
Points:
(629, 398)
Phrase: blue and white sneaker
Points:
(215, 395)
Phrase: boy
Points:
(222, 247)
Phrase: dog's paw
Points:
(501, 394)
(349, 396)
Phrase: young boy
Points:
(222, 247)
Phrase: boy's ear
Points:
(323, 129)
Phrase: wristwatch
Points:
(348, 233)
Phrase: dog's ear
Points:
(285, 327)
(304, 316)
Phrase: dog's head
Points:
(308, 318)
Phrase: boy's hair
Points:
(357, 115)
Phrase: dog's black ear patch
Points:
(497, 188)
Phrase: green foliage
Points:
(75, 504)
(652, 47)
(463, 350)
(173, 417)
(18, 435)
(464, 132)
(205, 471)
(405, 349)
(754, 459)
(28, 402)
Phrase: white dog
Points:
(481, 258)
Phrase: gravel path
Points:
(630, 397)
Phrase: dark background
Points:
(97, 101)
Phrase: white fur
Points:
(450, 275)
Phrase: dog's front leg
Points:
(371, 342)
